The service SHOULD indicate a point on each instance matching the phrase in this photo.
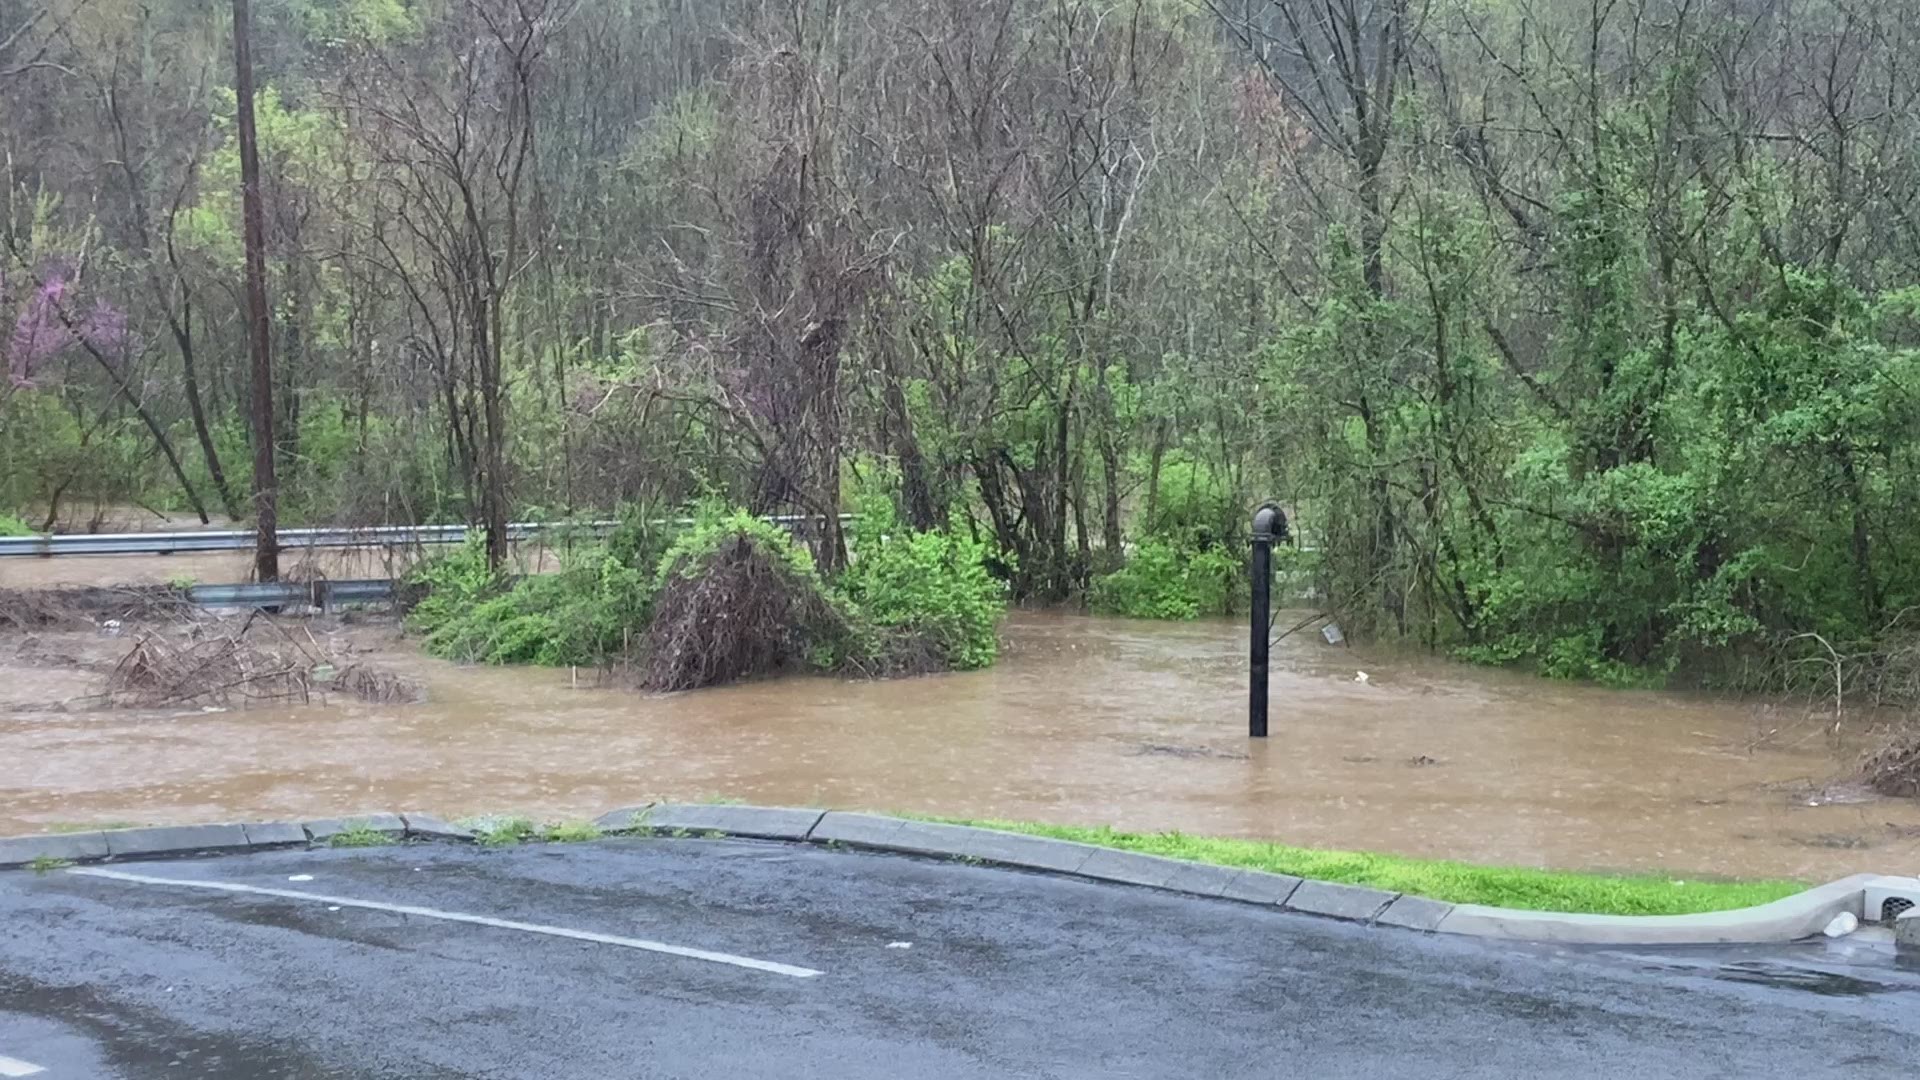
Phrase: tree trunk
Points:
(1109, 474)
(153, 427)
(493, 492)
(1155, 458)
(190, 373)
(916, 488)
(266, 496)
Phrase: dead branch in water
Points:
(1894, 769)
(211, 664)
(737, 615)
(1839, 676)
(1839, 679)
(83, 607)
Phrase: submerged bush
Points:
(737, 598)
(590, 610)
(931, 588)
(1188, 560)
(1163, 580)
(731, 597)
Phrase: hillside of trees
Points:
(1577, 333)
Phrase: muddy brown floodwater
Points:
(1084, 720)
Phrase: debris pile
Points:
(259, 662)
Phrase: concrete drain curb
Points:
(1789, 919)
(180, 841)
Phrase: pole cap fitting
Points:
(1269, 524)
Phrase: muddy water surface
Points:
(1084, 720)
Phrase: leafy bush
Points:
(930, 585)
(730, 597)
(1187, 562)
(13, 526)
(1164, 581)
(590, 610)
(713, 525)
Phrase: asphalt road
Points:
(725, 959)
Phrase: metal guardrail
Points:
(177, 543)
(325, 595)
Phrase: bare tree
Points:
(26, 45)
(455, 156)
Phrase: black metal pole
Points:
(1264, 531)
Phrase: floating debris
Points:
(1169, 750)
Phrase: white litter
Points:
(333, 907)
(1843, 924)
(299, 877)
(1331, 632)
(1361, 677)
(899, 944)
(15, 1067)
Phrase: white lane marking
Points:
(769, 966)
(16, 1067)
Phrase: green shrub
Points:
(932, 585)
(731, 596)
(451, 586)
(588, 611)
(13, 526)
(1195, 508)
(714, 525)
(1187, 562)
(1164, 581)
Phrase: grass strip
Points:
(1440, 879)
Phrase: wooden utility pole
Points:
(266, 497)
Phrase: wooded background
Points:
(1579, 332)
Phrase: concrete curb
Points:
(430, 827)
(182, 841)
(753, 822)
(1789, 919)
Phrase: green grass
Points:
(496, 830)
(1460, 883)
(43, 864)
(569, 832)
(499, 830)
(358, 834)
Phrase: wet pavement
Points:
(441, 962)
(1083, 721)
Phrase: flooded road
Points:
(1084, 720)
